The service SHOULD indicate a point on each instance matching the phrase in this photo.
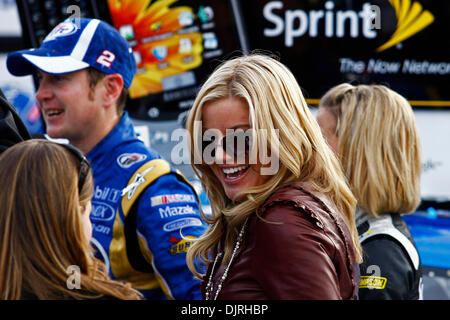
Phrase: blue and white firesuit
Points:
(144, 216)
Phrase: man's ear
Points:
(113, 87)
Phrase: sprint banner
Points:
(399, 43)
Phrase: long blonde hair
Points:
(378, 145)
(275, 102)
(41, 227)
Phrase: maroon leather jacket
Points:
(303, 250)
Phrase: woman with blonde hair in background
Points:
(45, 229)
(373, 131)
(282, 224)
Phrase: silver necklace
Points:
(209, 290)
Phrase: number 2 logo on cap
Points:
(106, 58)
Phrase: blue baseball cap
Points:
(76, 44)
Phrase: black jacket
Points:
(12, 129)
(390, 270)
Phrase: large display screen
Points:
(176, 45)
(400, 43)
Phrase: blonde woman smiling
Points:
(287, 233)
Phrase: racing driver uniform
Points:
(144, 216)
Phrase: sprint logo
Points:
(296, 23)
(332, 23)
(410, 20)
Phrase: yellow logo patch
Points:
(372, 282)
(180, 246)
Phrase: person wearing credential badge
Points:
(374, 132)
(144, 213)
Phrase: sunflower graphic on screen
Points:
(163, 38)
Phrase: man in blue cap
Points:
(145, 215)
